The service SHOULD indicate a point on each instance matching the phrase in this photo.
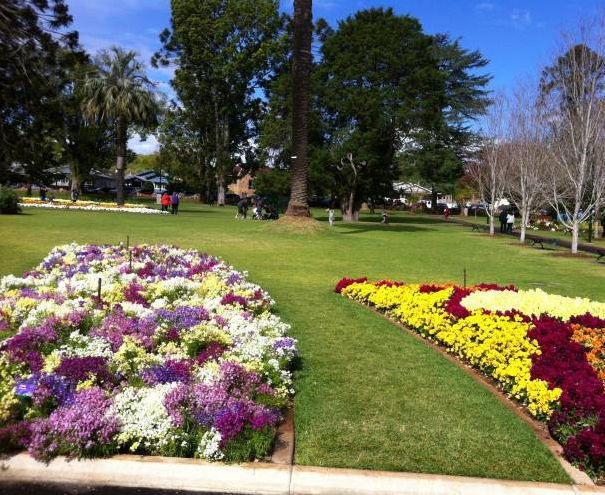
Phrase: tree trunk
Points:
(524, 222)
(575, 231)
(29, 189)
(349, 208)
(220, 184)
(301, 70)
(492, 216)
(76, 184)
(433, 200)
(221, 138)
(121, 132)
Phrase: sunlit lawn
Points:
(368, 395)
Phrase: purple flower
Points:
(231, 298)
(78, 369)
(53, 390)
(81, 429)
(168, 372)
(183, 317)
(212, 352)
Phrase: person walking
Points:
(510, 222)
(502, 218)
(74, 195)
(446, 212)
(242, 209)
(330, 211)
(174, 201)
(165, 201)
(385, 217)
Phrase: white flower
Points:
(209, 447)
(143, 417)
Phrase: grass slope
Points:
(368, 395)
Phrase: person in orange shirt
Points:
(166, 202)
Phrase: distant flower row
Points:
(546, 351)
(181, 356)
(64, 204)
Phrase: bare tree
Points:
(488, 169)
(527, 153)
(573, 90)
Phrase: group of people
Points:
(507, 221)
(258, 205)
(170, 202)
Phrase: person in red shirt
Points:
(166, 202)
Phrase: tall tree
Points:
(440, 145)
(379, 82)
(301, 82)
(222, 50)
(32, 36)
(488, 170)
(185, 151)
(84, 145)
(119, 92)
(528, 153)
(573, 91)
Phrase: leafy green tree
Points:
(184, 152)
(223, 52)
(437, 149)
(32, 38)
(380, 82)
(119, 92)
(273, 184)
(84, 145)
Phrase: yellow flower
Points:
(496, 345)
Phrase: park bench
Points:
(477, 227)
(599, 251)
(553, 243)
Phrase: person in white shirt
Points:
(510, 221)
(330, 211)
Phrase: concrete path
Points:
(157, 474)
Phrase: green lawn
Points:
(368, 395)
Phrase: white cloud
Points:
(520, 18)
(147, 147)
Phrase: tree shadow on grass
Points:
(361, 227)
(396, 224)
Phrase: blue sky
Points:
(516, 36)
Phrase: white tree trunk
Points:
(524, 222)
(575, 231)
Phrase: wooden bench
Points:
(553, 243)
(600, 252)
(477, 227)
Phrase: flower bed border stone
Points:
(166, 473)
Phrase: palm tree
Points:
(301, 69)
(119, 92)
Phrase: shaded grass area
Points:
(368, 395)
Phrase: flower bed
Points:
(181, 356)
(545, 351)
(64, 204)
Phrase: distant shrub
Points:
(9, 201)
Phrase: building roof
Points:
(410, 188)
